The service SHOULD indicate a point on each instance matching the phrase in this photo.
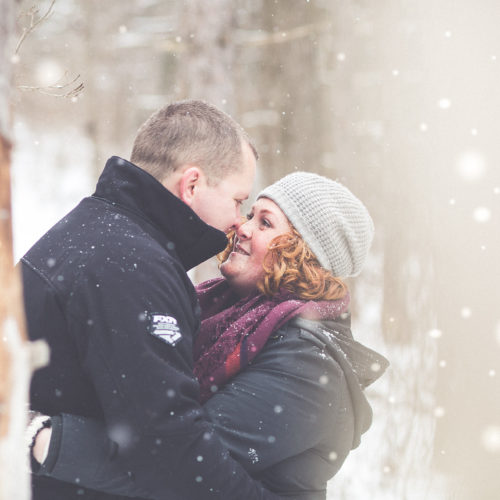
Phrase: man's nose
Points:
(235, 224)
(239, 220)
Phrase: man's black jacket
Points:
(107, 288)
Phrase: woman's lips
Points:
(240, 250)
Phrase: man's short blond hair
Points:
(190, 132)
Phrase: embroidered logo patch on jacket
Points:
(165, 328)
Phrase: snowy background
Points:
(398, 99)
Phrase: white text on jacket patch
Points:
(165, 328)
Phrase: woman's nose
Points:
(243, 231)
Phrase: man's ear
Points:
(189, 183)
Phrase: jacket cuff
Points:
(53, 453)
(78, 449)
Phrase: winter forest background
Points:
(398, 99)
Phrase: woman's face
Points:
(244, 266)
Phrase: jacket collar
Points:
(128, 186)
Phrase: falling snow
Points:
(482, 214)
(490, 438)
(453, 127)
(444, 103)
(471, 166)
(253, 455)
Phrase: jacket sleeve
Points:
(143, 378)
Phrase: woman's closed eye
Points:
(264, 222)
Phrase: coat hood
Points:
(360, 364)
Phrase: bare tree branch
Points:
(33, 23)
(54, 90)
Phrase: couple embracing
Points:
(248, 386)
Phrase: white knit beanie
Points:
(332, 221)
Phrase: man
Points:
(107, 288)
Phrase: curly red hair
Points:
(290, 264)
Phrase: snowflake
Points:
(252, 453)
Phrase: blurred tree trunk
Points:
(94, 106)
(207, 69)
(15, 364)
(287, 104)
(108, 77)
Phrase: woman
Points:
(280, 374)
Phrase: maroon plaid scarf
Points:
(234, 330)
